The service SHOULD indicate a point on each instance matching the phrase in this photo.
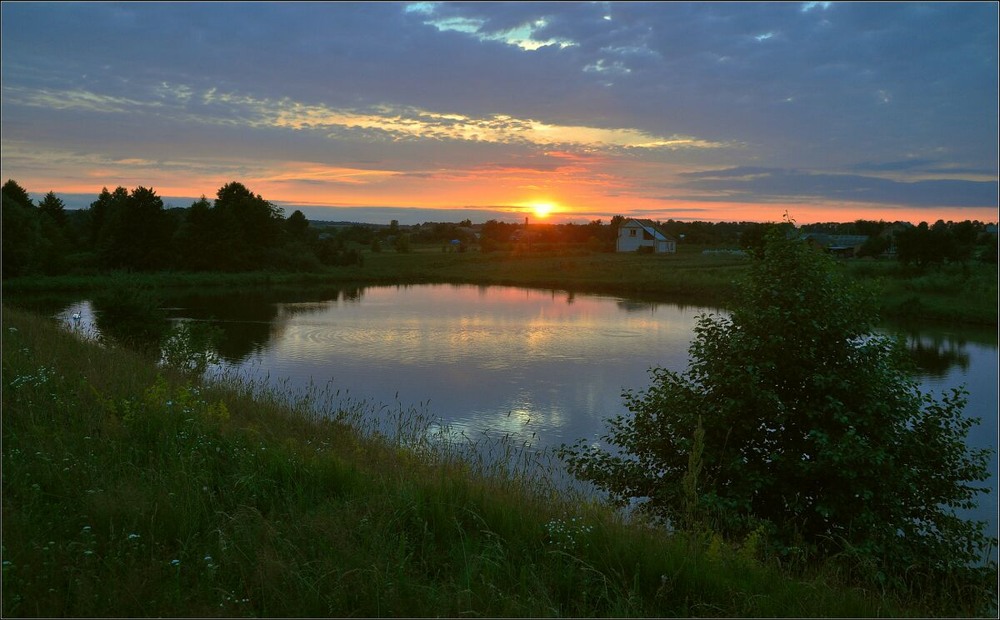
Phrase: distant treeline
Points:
(133, 230)
(241, 231)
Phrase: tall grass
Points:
(130, 490)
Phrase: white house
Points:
(635, 234)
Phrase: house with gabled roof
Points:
(634, 234)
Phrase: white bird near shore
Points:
(76, 317)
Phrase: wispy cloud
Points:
(395, 122)
(781, 185)
(309, 172)
(52, 99)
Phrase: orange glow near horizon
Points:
(542, 209)
(566, 199)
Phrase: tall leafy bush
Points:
(808, 423)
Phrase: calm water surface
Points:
(543, 367)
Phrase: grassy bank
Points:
(954, 293)
(131, 491)
(949, 293)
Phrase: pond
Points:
(542, 367)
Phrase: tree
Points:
(54, 208)
(196, 239)
(249, 227)
(964, 236)
(925, 245)
(34, 238)
(23, 241)
(874, 246)
(106, 203)
(13, 191)
(134, 231)
(401, 243)
(297, 225)
(988, 249)
(754, 237)
(808, 424)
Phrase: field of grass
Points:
(949, 293)
(952, 293)
(130, 490)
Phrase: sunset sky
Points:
(441, 111)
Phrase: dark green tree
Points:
(34, 238)
(810, 425)
(754, 237)
(54, 208)
(874, 246)
(196, 239)
(106, 203)
(13, 191)
(135, 232)
(23, 241)
(964, 235)
(401, 243)
(987, 247)
(248, 228)
(297, 225)
(924, 245)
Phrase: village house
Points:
(634, 234)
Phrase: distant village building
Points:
(634, 234)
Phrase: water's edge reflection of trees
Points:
(249, 321)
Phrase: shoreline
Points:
(941, 296)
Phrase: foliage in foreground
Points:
(796, 422)
(130, 491)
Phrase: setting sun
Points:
(542, 209)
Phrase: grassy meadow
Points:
(132, 490)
